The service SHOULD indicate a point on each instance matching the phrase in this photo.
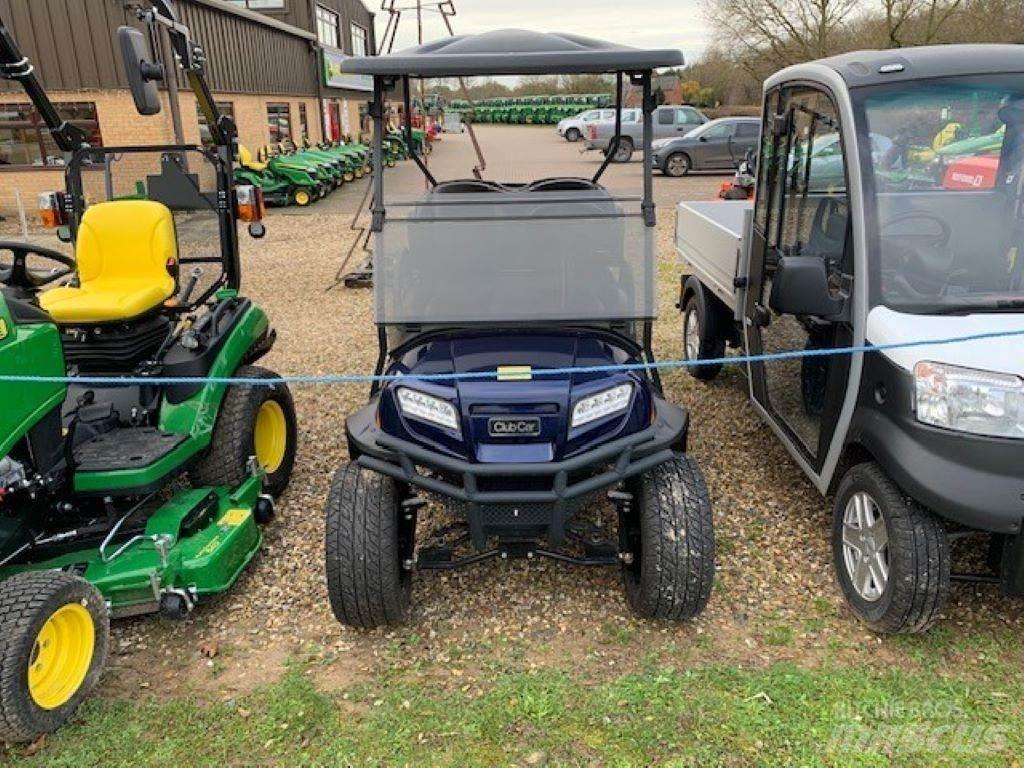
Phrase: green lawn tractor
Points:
(327, 170)
(356, 155)
(345, 164)
(143, 496)
(277, 190)
(310, 183)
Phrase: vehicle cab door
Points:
(801, 273)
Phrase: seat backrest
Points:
(127, 241)
(246, 160)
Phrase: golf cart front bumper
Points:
(537, 499)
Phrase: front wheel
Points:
(302, 198)
(677, 165)
(624, 152)
(254, 422)
(573, 135)
(52, 650)
(669, 531)
(891, 555)
(369, 547)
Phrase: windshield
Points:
(943, 186)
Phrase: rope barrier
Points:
(346, 379)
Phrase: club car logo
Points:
(513, 427)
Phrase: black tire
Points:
(367, 545)
(677, 165)
(670, 533)
(573, 135)
(704, 332)
(918, 556)
(27, 602)
(234, 436)
(624, 152)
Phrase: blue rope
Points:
(99, 381)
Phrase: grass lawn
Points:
(712, 715)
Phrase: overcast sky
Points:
(640, 23)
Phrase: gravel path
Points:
(774, 599)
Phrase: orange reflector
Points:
(51, 210)
(251, 205)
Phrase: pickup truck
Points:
(669, 122)
(859, 252)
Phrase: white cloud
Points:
(640, 23)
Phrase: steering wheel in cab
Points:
(917, 265)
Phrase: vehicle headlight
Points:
(965, 400)
(428, 408)
(660, 143)
(602, 404)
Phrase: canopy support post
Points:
(408, 133)
(648, 207)
(613, 148)
(377, 113)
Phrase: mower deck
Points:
(196, 543)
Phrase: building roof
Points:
(878, 67)
(259, 18)
(513, 52)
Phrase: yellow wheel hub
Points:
(302, 198)
(62, 656)
(271, 436)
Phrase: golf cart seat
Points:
(124, 252)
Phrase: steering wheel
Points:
(920, 265)
(17, 274)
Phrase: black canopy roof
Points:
(513, 52)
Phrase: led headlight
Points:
(602, 404)
(428, 408)
(965, 400)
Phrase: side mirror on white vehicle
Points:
(800, 286)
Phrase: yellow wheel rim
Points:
(61, 656)
(302, 198)
(350, 177)
(271, 436)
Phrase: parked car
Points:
(454, 122)
(669, 122)
(718, 145)
(573, 129)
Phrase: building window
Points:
(226, 108)
(328, 26)
(279, 122)
(360, 40)
(25, 140)
(259, 5)
(304, 124)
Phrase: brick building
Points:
(273, 66)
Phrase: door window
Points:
(720, 132)
(749, 131)
(688, 117)
(666, 117)
(806, 214)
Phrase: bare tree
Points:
(780, 32)
(917, 21)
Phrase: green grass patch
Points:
(708, 716)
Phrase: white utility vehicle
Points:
(889, 209)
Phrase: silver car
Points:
(718, 145)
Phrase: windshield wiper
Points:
(1000, 305)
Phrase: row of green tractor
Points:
(530, 110)
(292, 175)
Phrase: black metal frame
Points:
(619, 459)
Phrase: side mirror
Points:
(143, 74)
(800, 287)
(703, 139)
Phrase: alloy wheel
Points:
(866, 547)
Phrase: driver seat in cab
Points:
(126, 251)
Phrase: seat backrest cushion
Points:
(127, 241)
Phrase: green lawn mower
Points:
(146, 495)
(329, 171)
(277, 190)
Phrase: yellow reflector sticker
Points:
(515, 373)
(3, 329)
(234, 517)
(210, 548)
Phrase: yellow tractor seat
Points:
(246, 160)
(124, 252)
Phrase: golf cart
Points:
(96, 519)
(507, 285)
(853, 241)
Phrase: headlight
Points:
(603, 404)
(428, 408)
(966, 400)
(660, 143)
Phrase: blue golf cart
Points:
(515, 321)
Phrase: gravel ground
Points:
(775, 598)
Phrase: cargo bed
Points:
(711, 240)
